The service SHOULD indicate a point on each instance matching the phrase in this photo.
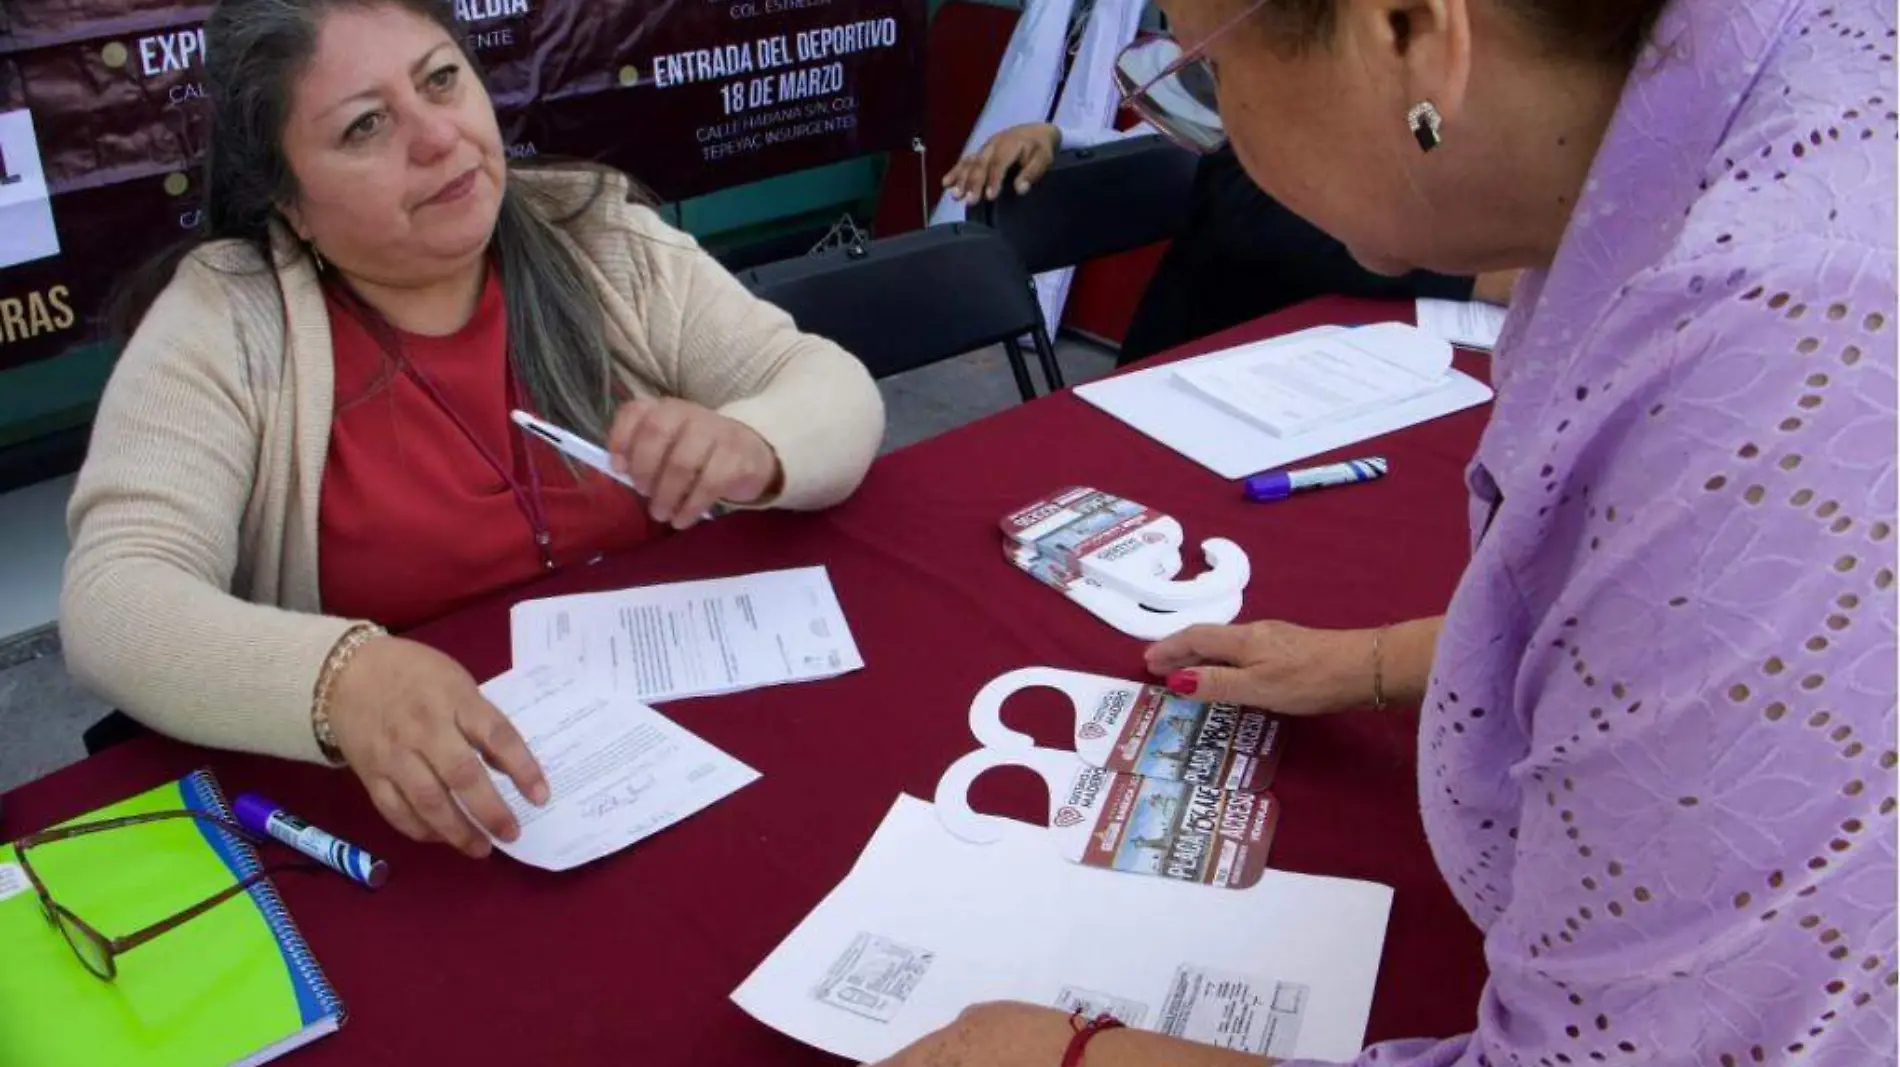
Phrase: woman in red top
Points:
(435, 416)
(307, 440)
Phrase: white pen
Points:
(573, 446)
(580, 449)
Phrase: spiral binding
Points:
(264, 894)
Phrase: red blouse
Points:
(416, 519)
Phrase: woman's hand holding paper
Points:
(412, 725)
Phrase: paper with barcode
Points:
(691, 639)
(927, 924)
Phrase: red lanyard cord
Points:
(528, 499)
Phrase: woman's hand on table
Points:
(685, 458)
(1294, 670)
(413, 726)
(1028, 1035)
(1272, 665)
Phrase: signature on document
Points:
(624, 795)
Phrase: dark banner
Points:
(102, 116)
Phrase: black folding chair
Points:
(1095, 202)
(115, 729)
(907, 301)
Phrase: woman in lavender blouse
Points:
(1657, 746)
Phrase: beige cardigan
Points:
(191, 596)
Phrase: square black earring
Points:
(1426, 124)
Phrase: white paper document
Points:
(618, 771)
(1159, 405)
(927, 924)
(1466, 323)
(689, 639)
(1288, 390)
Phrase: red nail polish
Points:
(1183, 682)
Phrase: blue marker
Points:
(1278, 485)
(261, 816)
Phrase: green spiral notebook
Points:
(235, 986)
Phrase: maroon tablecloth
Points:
(630, 960)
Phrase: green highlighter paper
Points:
(235, 986)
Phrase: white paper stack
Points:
(1290, 390)
(927, 924)
(1268, 405)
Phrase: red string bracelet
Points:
(1084, 1033)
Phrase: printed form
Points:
(692, 639)
(617, 771)
(1290, 389)
(927, 924)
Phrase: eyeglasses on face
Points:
(1175, 90)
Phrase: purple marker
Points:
(1278, 485)
(262, 816)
